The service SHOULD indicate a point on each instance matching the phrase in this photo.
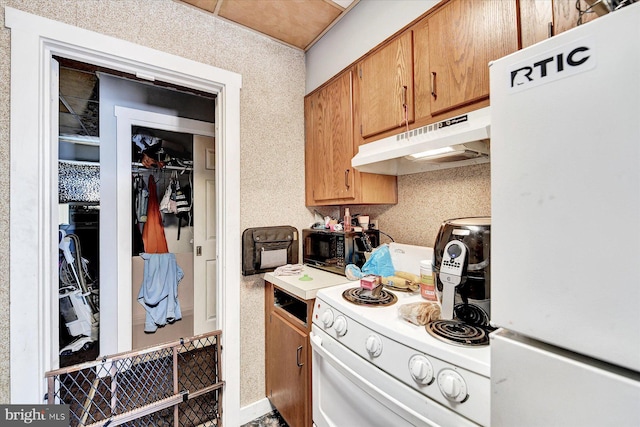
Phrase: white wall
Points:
(360, 30)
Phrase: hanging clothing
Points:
(141, 195)
(183, 206)
(168, 202)
(139, 212)
(159, 290)
(153, 236)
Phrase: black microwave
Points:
(334, 250)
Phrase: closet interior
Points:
(168, 166)
(167, 161)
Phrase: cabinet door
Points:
(421, 70)
(464, 35)
(386, 87)
(536, 21)
(541, 19)
(329, 142)
(566, 16)
(287, 370)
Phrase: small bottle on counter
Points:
(427, 285)
(347, 220)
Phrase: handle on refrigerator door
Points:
(393, 404)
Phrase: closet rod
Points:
(169, 167)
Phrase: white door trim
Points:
(120, 339)
(33, 254)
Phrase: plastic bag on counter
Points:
(420, 313)
(379, 263)
(353, 272)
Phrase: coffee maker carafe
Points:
(463, 271)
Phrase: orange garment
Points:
(153, 234)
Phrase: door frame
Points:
(123, 295)
(33, 170)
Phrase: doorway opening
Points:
(33, 132)
(163, 154)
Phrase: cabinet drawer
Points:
(291, 306)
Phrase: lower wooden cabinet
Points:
(288, 355)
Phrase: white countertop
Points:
(306, 289)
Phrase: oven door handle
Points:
(366, 386)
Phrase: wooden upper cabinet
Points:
(386, 87)
(541, 19)
(329, 146)
(464, 36)
(536, 21)
(421, 70)
(566, 16)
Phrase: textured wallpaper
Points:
(272, 131)
(425, 200)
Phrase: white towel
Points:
(288, 270)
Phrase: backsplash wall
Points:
(425, 200)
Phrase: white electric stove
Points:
(372, 367)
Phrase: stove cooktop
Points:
(455, 377)
(385, 320)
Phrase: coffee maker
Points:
(463, 271)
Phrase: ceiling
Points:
(298, 23)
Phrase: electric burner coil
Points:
(358, 296)
(458, 333)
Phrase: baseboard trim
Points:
(255, 410)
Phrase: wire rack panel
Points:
(177, 384)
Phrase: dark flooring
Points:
(272, 419)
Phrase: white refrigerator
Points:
(565, 189)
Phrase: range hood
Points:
(458, 141)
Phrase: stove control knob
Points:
(452, 385)
(374, 345)
(421, 369)
(340, 325)
(327, 318)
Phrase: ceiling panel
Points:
(297, 23)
